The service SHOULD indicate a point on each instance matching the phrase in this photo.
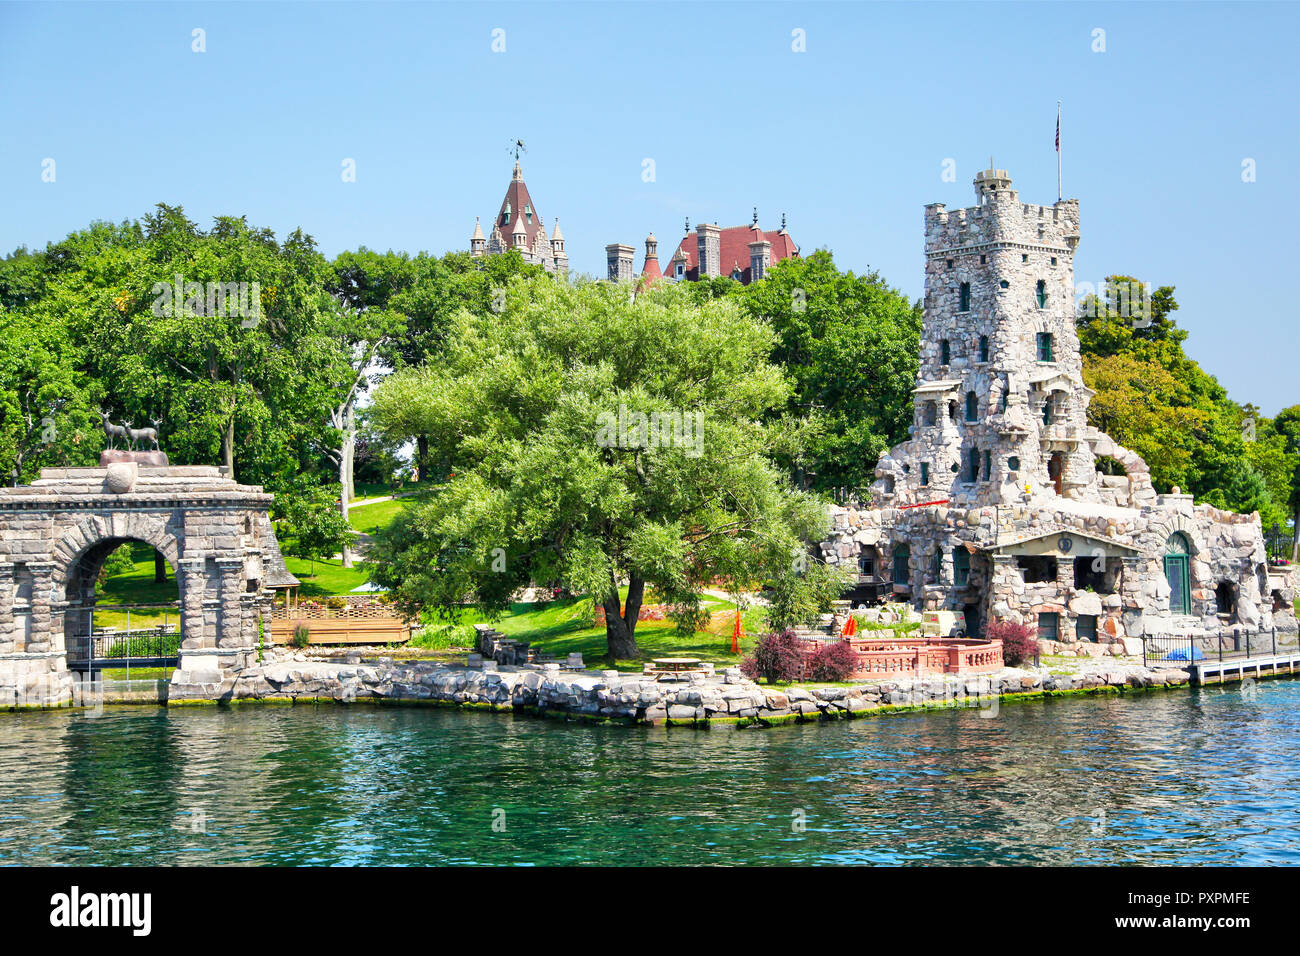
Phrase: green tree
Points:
(851, 345)
(1153, 398)
(317, 529)
(47, 412)
(597, 439)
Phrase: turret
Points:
(477, 242)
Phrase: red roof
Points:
(651, 268)
(518, 199)
(734, 247)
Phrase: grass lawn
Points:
(370, 518)
(562, 627)
(326, 576)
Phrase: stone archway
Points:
(76, 590)
(214, 533)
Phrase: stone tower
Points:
(1000, 401)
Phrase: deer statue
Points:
(144, 434)
(112, 431)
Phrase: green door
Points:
(1176, 573)
(1176, 550)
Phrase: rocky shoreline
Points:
(550, 690)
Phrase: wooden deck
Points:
(1211, 671)
(343, 630)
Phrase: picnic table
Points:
(673, 668)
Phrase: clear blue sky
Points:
(847, 138)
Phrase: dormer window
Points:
(681, 270)
(505, 214)
(528, 212)
(963, 298)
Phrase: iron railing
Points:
(1279, 542)
(1237, 643)
(157, 646)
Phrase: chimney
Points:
(619, 257)
(710, 248)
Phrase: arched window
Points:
(902, 554)
(972, 407)
(931, 413)
(984, 348)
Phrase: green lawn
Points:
(562, 627)
(326, 576)
(371, 518)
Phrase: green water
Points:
(1208, 776)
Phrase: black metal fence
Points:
(157, 646)
(1180, 650)
(1279, 542)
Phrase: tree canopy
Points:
(598, 437)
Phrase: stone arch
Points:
(77, 559)
(97, 529)
(1168, 524)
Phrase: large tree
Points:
(851, 344)
(158, 312)
(598, 439)
(1155, 399)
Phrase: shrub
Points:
(832, 662)
(1019, 641)
(776, 657)
(301, 636)
(336, 603)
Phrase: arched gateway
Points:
(56, 533)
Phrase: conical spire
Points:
(478, 230)
(557, 234)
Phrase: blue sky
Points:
(848, 139)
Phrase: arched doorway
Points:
(1177, 551)
(119, 616)
(1056, 470)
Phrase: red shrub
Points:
(776, 657)
(832, 662)
(1019, 641)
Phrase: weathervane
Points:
(518, 147)
(756, 215)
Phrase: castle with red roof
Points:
(743, 253)
(518, 225)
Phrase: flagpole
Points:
(1059, 194)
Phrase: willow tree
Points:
(598, 440)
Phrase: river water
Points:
(1206, 776)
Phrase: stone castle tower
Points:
(1000, 401)
(995, 507)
